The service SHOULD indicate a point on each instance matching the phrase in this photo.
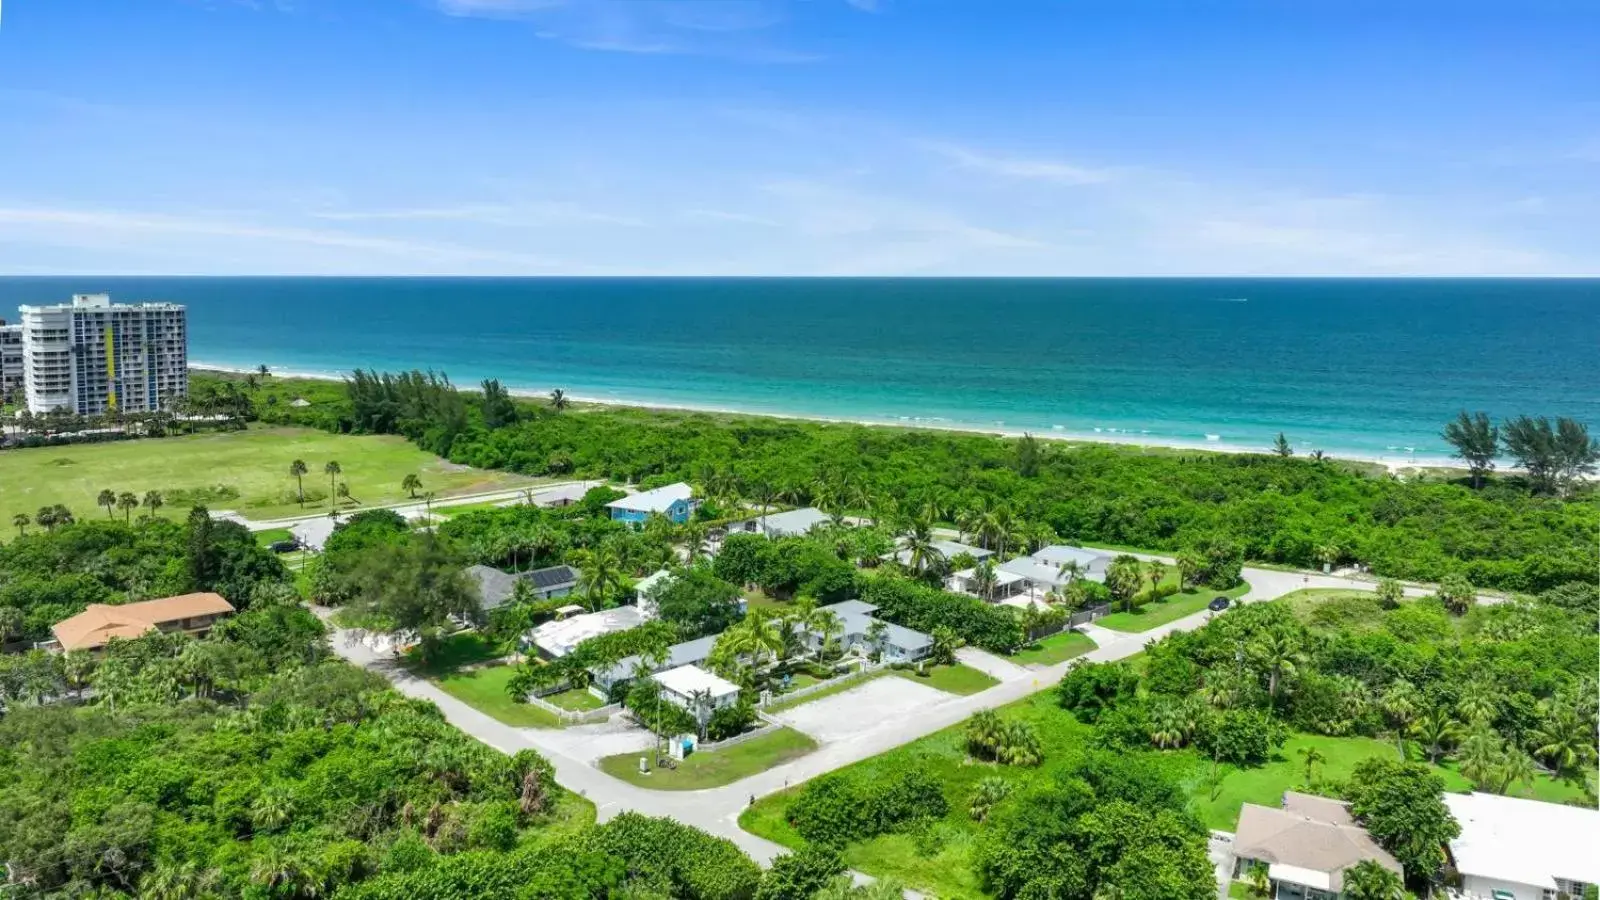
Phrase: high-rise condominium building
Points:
(10, 363)
(92, 356)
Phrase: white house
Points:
(1514, 849)
(783, 524)
(556, 638)
(697, 690)
(947, 551)
(898, 644)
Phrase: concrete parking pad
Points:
(861, 709)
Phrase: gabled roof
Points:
(686, 680)
(494, 586)
(100, 622)
(1094, 562)
(658, 500)
(1033, 570)
(848, 607)
(790, 522)
(1524, 841)
(553, 577)
(1310, 835)
(695, 651)
(644, 585)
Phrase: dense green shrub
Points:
(1088, 689)
(918, 606)
(839, 808)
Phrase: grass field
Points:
(462, 509)
(246, 471)
(714, 768)
(575, 700)
(943, 867)
(273, 535)
(1057, 648)
(464, 648)
(956, 679)
(485, 690)
(1159, 612)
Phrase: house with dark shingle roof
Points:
(496, 588)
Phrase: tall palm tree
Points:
(297, 471)
(107, 499)
(829, 627)
(1071, 570)
(410, 484)
(127, 501)
(22, 521)
(153, 501)
(558, 399)
(920, 546)
(1436, 731)
(1477, 703)
(45, 518)
(601, 576)
(694, 539)
(1562, 740)
(1123, 576)
(1280, 655)
(1154, 571)
(332, 469)
(1515, 768)
(1481, 754)
(1313, 758)
(1401, 703)
(984, 579)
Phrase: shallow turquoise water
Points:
(1350, 366)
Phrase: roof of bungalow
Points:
(948, 550)
(1001, 577)
(101, 622)
(558, 637)
(1524, 841)
(644, 585)
(552, 577)
(1310, 840)
(682, 654)
(685, 681)
(494, 586)
(656, 500)
(1033, 570)
(1094, 562)
(789, 522)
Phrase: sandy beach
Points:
(1128, 439)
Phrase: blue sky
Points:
(827, 137)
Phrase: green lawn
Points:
(273, 535)
(575, 700)
(485, 690)
(1057, 648)
(943, 867)
(1238, 890)
(956, 679)
(464, 508)
(1159, 612)
(714, 768)
(247, 471)
(825, 692)
(464, 648)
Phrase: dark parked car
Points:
(1219, 604)
(284, 546)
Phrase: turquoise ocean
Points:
(1354, 367)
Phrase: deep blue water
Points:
(1350, 366)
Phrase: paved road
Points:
(716, 810)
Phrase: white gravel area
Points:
(860, 709)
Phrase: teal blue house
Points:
(675, 501)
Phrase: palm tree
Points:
(22, 521)
(558, 399)
(1436, 731)
(920, 548)
(1477, 703)
(694, 538)
(1071, 570)
(1122, 579)
(297, 471)
(107, 499)
(153, 502)
(1401, 702)
(1154, 571)
(45, 518)
(127, 501)
(1167, 726)
(876, 632)
(1368, 880)
(1280, 655)
(332, 470)
(1481, 755)
(829, 628)
(984, 579)
(1562, 740)
(597, 580)
(1313, 758)
(986, 795)
(410, 484)
(1515, 768)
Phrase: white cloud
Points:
(1054, 171)
(156, 231)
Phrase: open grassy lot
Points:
(575, 700)
(462, 509)
(273, 535)
(956, 679)
(1057, 648)
(485, 690)
(714, 768)
(246, 471)
(940, 862)
(1156, 613)
(464, 648)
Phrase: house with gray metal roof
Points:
(675, 501)
(898, 644)
(783, 524)
(687, 653)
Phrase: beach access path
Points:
(716, 810)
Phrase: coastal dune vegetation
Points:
(1506, 534)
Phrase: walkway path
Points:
(716, 810)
